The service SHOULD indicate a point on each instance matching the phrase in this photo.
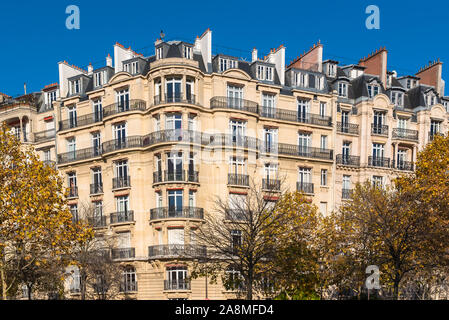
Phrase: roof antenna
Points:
(162, 35)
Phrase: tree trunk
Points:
(3, 279)
(249, 289)
(30, 287)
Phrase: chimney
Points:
(310, 60)
(109, 61)
(376, 64)
(90, 69)
(254, 55)
(431, 76)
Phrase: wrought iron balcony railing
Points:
(405, 134)
(305, 187)
(97, 222)
(381, 130)
(73, 192)
(305, 151)
(174, 213)
(79, 121)
(234, 103)
(123, 253)
(77, 155)
(271, 184)
(347, 160)
(96, 188)
(175, 98)
(238, 179)
(122, 217)
(121, 182)
(403, 165)
(379, 162)
(119, 107)
(345, 127)
(177, 284)
(177, 250)
(292, 115)
(44, 135)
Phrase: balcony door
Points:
(268, 105)
(96, 143)
(176, 236)
(72, 117)
(303, 110)
(378, 122)
(97, 179)
(345, 121)
(401, 158)
(175, 200)
(173, 89)
(189, 91)
(121, 170)
(238, 131)
(71, 148)
(235, 96)
(378, 151)
(346, 182)
(304, 143)
(120, 135)
(122, 97)
(270, 172)
(98, 110)
(173, 125)
(305, 176)
(271, 139)
(175, 166)
(346, 151)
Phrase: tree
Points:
(390, 228)
(36, 230)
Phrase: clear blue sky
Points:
(33, 36)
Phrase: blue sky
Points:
(33, 36)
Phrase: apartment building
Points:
(151, 141)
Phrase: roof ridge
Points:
(372, 54)
(315, 45)
(430, 65)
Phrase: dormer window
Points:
(264, 73)
(132, 67)
(159, 53)
(332, 71)
(301, 80)
(397, 98)
(430, 99)
(373, 90)
(226, 64)
(187, 52)
(342, 89)
(51, 96)
(409, 83)
(389, 80)
(75, 86)
(319, 82)
(99, 78)
(446, 105)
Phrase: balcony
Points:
(122, 217)
(234, 103)
(73, 192)
(304, 151)
(125, 143)
(77, 155)
(177, 250)
(178, 284)
(238, 179)
(379, 162)
(345, 127)
(305, 187)
(123, 253)
(177, 98)
(405, 134)
(97, 222)
(79, 121)
(347, 160)
(294, 116)
(121, 182)
(346, 193)
(119, 107)
(44, 135)
(96, 188)
(271, 184)
(380, 130)
(403, 165)
(178, 176)
(176, 213)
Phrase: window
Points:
(74, 211)
(373, 90)
(175, 166)
(378, 122)
(132, 67)
(238, 131)
(121, 169)
(235, 96)
(446, 105)
(236, 240)
(268, 105)
(323, 109)
(192, 122)
(301, 79)
(187, 52)
(271, 139)
(323, 143)
(225, 64)
(303, 110)
(346, 182)
(233, 279)
(75, 86)
(96, 143)
(71, 149)
(51, 96)
(98, 110)
(47, 155)
(159, 53)
(305, 176)
(378, 151)
(97, 178)
(175, 202)
(378, 181)
(173, 89)
(176, 236)
(319, 82)
(177, 278)
(270, 172)
(173, 121)
(434, 127)
(119, 131)
(238, 166)
(122, 204)
(332, 70)
(122, 98)
(346, 152)
(100, 78)
(98, 213)
(72, 116)
(304, 142)
(75, 282)
(324, 177)
(342, 89)
(401, 158)
(189, 90)
(264, 73)
(397, 98)
(129, 282)
(409, 83)
(430, 99)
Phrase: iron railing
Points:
(271, 184)
(177, 284)
(348, 160)
(346, 193)
(403, 165)
(97, 222)
(238, 179)
(79, 121)
(379, 162)
(44, 135)
(406, 134)
(234, 103)
(305, 187)
(73, 192)
(345, 127)
(381, 130)
(121, 182)
(177, 250)
(294, 116)
(122, 217)
(123, 253)
(177, 98)
(305, 151)
(174, 213)
(77, 155)
(119, 107)
(96, 188)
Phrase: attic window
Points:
(226, 64)
(319, 82)
(187, 52)
(99, 78)
(132, 67)
(409, 83)
(430, 99)
(159, 53)
(264, 73)
(332, 70)
(446, 105)
(342, 89)
(51, 96)
(397, 98)
(75, 86)
(373, 90)
(301, 79)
